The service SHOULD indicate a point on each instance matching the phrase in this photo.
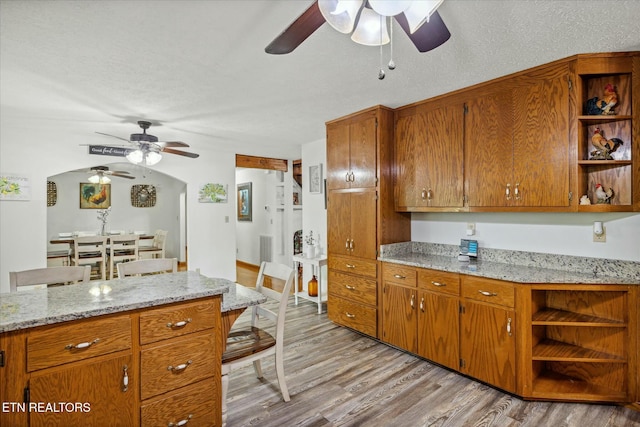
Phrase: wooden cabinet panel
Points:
(362, 135)
(61, 344)
(197, 405)
(177, 363)
(363, 224)
(97, 382)
(439, 281)
(399, 316)
(438, 329)
(363, 267)
(338, 164)
(487, 344)
(400, 274)
(177, 320)
(352, 315)
(339, 218)
(488, 290)
(353, 287)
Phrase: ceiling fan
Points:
(101, 174)
(146, 148)
(424, 35)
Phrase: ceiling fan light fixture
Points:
(135, 156)
(371, 29)
(419, 12)
(99, 179)
(340, 14)
(390, 7)
(151, 158)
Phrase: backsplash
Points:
(601, 266)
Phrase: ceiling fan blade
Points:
(113, 136)
(172, 144)
(122, 176)
(297, 32)
(430, 35)
(115, 172)
(180, 153)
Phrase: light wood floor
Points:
(337, 377)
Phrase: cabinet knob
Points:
(81, 345)
(125, 378)
(413, 301)
(180, 324)
(516, 191)
(349, 315)
(180, 367)
(508, 192)
(351, 288)
(422, 304)
(434, 283)
(488, 294)
(509, 326)
(397, 276)
(350, 266)
(181, 422)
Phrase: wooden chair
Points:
(147, 266)
(157, 248)
(252, 344)
(89, 250)
(123, 248)
(48, 276)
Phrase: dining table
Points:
(55, 240)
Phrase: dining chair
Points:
(91, 250)
(147, 266)
(250, 345)
(157, 247)
(49, 276)
(122, 248)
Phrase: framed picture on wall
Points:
(315, 179)
(245, 200)
(95, 196)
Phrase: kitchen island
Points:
(136, 351)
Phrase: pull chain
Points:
(391, 65)
(381, 71)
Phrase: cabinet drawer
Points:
(178, 363)
(488, 290)
(197, 404)
(77, 341)
(359, 266)
(355, 288)
(400, 274)
(353, 315)
(176, 320)
(439, 281)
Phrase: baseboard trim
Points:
(248, 266)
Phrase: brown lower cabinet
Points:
(569, 342)
(156, 366)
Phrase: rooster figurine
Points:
(603, 147)
(603, 196)
(604, 106)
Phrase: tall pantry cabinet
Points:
(360, 214)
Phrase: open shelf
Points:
(558, 351)
(550, 316)
(553, 385)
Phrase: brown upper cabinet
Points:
(523, 142)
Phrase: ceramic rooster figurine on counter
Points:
(603, 196)
(603, 147)
(603, 106)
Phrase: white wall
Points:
(556, 233)
(42, 151)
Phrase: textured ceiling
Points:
(198, 68)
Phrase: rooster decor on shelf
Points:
(603, 146)
(603, 196)
(603, 106)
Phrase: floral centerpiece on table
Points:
(103, 216)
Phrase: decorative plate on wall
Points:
(52, 193)
(143, 196)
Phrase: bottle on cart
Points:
(312, 287)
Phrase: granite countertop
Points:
(21, 310)
(514, 266)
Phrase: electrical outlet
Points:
(471, 229)
(601, 238)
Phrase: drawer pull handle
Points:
(509, 326)
(351, 266)
(413, 301)
(397, 276)
(434, 283)
(81, 345)
(488, 294)
(180, 324)
(422, 304)
(181, 422)
(351, 288)
(179, 368)
(349, 315)
(125, 378)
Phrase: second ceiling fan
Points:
(426, 29)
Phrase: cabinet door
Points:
(96, 384)
(399, 317)
(438, 329)
(489, 147)
(363, 224)
(541, 141)
(408, 154)
(339, 223)
(440, 156)
(338, 166)
(362, 156)
(487, 344)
